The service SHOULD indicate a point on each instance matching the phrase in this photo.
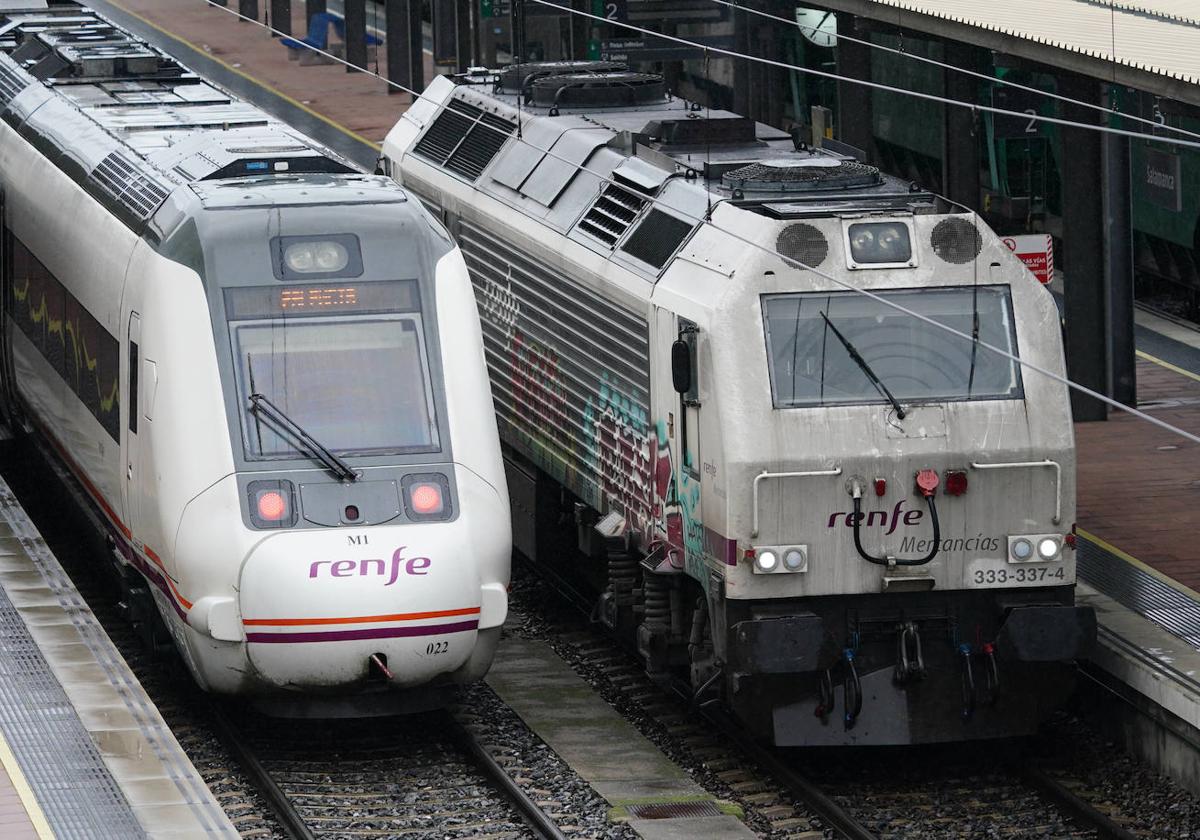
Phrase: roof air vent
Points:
(803, 243)
(613, 213)
(956, 241)
(801, 174)
(599, 90)
(464, 138)
(516, 77)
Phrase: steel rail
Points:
(1071, 805)
(279, 803)
(537, 819)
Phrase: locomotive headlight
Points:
(766, 561)
(880, 243)
(1021, 549)
(1047, 548)
(316, 257)
(794, 560)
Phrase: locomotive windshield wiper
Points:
(260, 404)
(865, 368)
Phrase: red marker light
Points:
(927, 483)
(426, 498)
(956, 482)
(880, 486)
(272, 506)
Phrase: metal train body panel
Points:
(611, 242)
(164, 287)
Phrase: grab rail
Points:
(767, 474)
(1030, 464)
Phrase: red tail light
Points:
(956, 482)
(426, 498)
(272, 506)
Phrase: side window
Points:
(133, 387)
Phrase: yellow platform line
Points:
(255, 81)
(1138, 564)
(24, 791)
(1141, 354)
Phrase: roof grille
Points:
(612, 214)
(464, 139)
(796, 174)
(129, 185)
(10, 84)
(657, 238)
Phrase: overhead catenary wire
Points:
(973, 73)
(916, 94)
(1024, 363)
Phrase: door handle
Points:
(129, 472)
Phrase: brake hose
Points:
(900, 561)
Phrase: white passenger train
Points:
(241, 348)
(803, 499)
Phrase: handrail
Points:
(1029, 464)
(768, 474)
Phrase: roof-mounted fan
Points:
(599, 90)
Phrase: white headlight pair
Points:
(1034, 548)
(771, 559)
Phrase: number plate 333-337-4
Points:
(985, 574)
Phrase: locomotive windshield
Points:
(346, 362)
(914, 360)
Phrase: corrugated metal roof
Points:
(1157, 36)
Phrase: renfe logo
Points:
(879, 517)
(375, 567)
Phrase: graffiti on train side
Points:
(620, 452)
(538, 389)
(498, 304)
(677, 505)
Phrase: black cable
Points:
(856, 517)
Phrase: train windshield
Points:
(345, 362)
(812, 340)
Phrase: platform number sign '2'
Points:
(611, 9)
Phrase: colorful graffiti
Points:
(620, 453)
(677, 501)
(537, 387)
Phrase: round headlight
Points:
(299, 257)
(1048, 548)
(767, 561)
(331, 256)
(793, 558)
(1022, 549)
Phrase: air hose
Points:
(927, 482)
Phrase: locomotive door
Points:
(132, 447)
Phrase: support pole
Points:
(281, 16)
(356, 34)
(312, 7)
(1118, 273)
(463, 27)
(1087, 316)
(405, 55)
(960, 150)
(248, 9)
(854, 122)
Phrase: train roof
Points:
(756, 166)
(127, 121)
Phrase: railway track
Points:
(916, 793)
(423, 776)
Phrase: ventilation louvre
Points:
(130, 186)
(656, 238)
(803, 243)
(801, 175)
(956, 241)
(464, 139)
(613, 213)
(11, 84)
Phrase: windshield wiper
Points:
(259, 403)
(865, 368)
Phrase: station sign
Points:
(1036, 250)
(1160, 179)
(649, 48)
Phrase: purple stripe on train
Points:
(367, 633)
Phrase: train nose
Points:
(317, 606)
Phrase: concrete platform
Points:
(84, 751)
(601, 746)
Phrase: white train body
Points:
(654, 228)
(161, 265)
